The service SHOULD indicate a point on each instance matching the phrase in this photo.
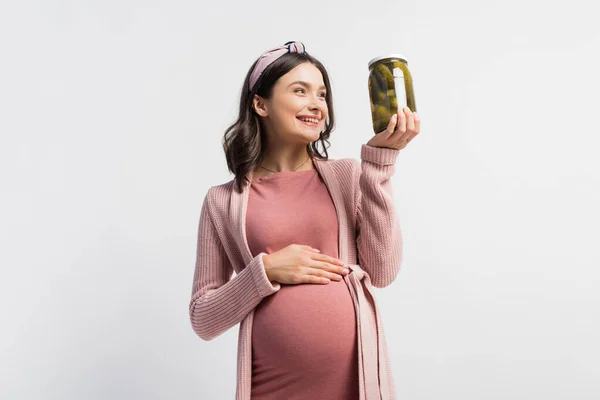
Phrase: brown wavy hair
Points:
(243, 142)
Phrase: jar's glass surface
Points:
(390, 89)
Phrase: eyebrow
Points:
(305, 84)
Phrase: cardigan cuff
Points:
(379, 155)
(259, 274)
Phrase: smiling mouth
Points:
(311, 124)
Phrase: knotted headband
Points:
(267, 58)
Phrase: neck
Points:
(286, 160)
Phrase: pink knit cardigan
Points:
(370, 244)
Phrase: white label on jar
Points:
(400, 88)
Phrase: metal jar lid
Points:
(388, 56)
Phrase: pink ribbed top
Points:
(304, 336)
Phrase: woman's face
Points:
(298, 94)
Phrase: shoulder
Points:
(222, 190)
(346, 171)
(344, 167)
(217, 197)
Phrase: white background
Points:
(111, 120)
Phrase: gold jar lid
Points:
(388, 56)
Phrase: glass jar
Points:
(390, 89)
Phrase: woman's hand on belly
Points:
(296, 264)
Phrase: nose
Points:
(315, 104)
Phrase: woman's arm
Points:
(379, 237)
(219, 302)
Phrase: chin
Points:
(310, 136)
(314, 136)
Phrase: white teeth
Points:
(311, 120)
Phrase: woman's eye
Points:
(324, 95)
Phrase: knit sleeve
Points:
(219, 302)
(379, 237)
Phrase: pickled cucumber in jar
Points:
(390, 89)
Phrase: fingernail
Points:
(316, 250)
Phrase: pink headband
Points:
(267, 58)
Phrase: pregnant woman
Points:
(308, 238)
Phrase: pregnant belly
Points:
(306, 327)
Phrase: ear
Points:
(260, 106)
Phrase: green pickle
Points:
(390, 87)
